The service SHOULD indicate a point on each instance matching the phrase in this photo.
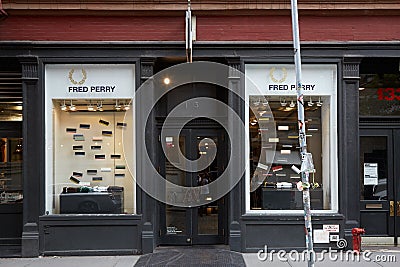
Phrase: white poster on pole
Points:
(370, 173)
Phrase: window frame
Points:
(54, 92)
(333, 135)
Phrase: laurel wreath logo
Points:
(82, 81)
(271, 75)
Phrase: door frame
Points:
(191, 214)
(393, 184)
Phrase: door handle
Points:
(391, 209)
(398, 209)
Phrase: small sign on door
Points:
(370, 173)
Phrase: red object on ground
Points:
(357, 232)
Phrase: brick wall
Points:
(209, 28)
(92, 28)
(312, 28)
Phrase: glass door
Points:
(208, 220)
(379, 182)
(175, 220)
(201, 224)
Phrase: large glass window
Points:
(379, 88)
(273, 149)
(90, 139)
(278, 189)
(11, 186)
(379, 94)
(90, 169)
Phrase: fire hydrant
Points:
(357, 232)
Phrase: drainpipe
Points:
(3, 13)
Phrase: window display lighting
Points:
(319, 103)
(310, 103)
(127, 107)
(100, 106)
(117, 106)
(283, 102)
(94, 105)
(63, 106)
(72, 107)
(90, 107)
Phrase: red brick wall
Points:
(92, 28)
(312, 28)
(209, 28)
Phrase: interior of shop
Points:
(279, 149)
(93, 139)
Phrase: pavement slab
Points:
(208, 256)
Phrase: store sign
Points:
(280, 79)
(388, 94)
(90, 80)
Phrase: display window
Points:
(379, 94)
(90, 140)
(273, 148)
(11, 187)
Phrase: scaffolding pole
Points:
(307, 164)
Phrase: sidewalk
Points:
(378, 256)
(371, 257)
(81, 261)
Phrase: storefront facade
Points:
(84, 170)
(379, 150)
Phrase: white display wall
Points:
(74, 156)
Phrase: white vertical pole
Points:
(302, 136)
(189, 34)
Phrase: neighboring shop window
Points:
(379, 87)
(380, 94)
(92, 141)
(274, 148)
(11, 149)
(11, 186)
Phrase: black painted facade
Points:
(139, 233)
